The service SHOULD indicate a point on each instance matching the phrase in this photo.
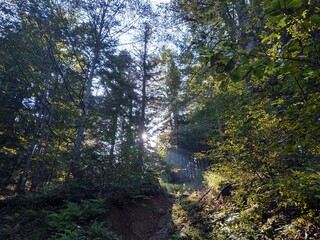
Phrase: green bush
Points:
(84, 220)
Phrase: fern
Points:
(82, 220)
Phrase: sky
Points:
(126, 41)
(160, 1)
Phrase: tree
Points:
(172, 82)
(33, 73)
(252, 89)
(96, 41)
(53, 57)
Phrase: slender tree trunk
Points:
(142, 130)
(22, 184)
(38, 176)
(74, 167)
(175, 122)
(114, 126)
(216, 109)
(33, 148)
(43, 163)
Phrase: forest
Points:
(156, 120)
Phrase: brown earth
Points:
(141, 219)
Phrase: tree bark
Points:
(23, 180)
(142, 127)
(74, 162)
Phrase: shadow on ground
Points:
(145, 218)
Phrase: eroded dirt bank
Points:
(138, 219)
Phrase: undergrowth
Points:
(282, 207)
(83, 220)
(71, 220)
(69, 211)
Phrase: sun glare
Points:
(144, 136)
(153, 144)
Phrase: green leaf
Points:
(295, 4)
(282, 23)
(258, 72)
(230, 65)
(203, 59)
(274, 8)
(220, 67)
(277, 102)
(315, 19)
(254, 52)
(235, 75)
(258, 62)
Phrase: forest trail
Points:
(162, 233)
(145, 218)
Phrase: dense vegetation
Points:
(252, 70)
(233, 99)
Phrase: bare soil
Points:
(139, 219)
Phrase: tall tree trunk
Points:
(23, 180)
(114, 127)
(40, 164)
(74, 167)
(142, 127)
(34, 148)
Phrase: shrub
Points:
(82, 220)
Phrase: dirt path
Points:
(162, 232)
